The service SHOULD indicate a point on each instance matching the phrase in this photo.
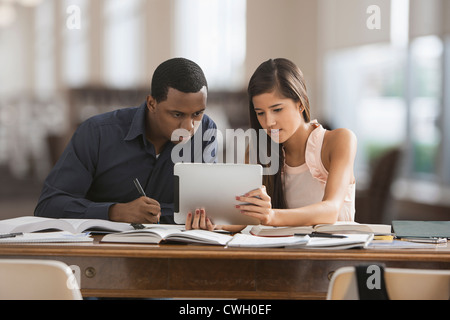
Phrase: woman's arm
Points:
(338, 155)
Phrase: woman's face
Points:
(279, 116)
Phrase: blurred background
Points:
(378, 67)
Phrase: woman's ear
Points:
(300, 107)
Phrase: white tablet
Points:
(214, 187)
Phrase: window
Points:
(213, 34)
(75, 49)
(392, 94)
(426, 92)
(444, 158)
(45, 82)
(365, 93)
(391, 97)
(122, 45)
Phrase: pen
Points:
(10, 235)
(425, 240)
(139, 187)
(321, 235)
(141, 192)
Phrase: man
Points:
(93, 179)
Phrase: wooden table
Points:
(170, 270)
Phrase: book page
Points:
(81, 225)
(200, 236)
(162, 232)
(32, 224)
(334, 242)
(151, 235)
(246, 240)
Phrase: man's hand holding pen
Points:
(142, 210)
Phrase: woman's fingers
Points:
(188, 224)
(260, 193)
(256, 203)
(203, 219)
(196, 219)
(209, 225)
(249, 207)
(258, 197)
(253, 201)
(199, 220)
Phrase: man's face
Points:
(179, 111)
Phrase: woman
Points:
(315, 183)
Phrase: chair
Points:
(401, 284)
(371, 204)
(37, 280)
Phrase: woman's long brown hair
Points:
(285, 78)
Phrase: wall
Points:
(284, 29)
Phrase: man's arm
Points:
(64, 191)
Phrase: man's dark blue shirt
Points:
(108, 151)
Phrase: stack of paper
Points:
(350, 241)
(247, 240)
(46, 237)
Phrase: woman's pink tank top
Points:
(305, 185)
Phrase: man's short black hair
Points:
(179, 73)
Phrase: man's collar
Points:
(138, 124)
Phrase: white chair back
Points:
(37, 280)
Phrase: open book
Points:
(158, 234)
(34, 224)
(155, 235)
(339, 227)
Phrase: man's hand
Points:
(142, 210)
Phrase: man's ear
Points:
(151, 104)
